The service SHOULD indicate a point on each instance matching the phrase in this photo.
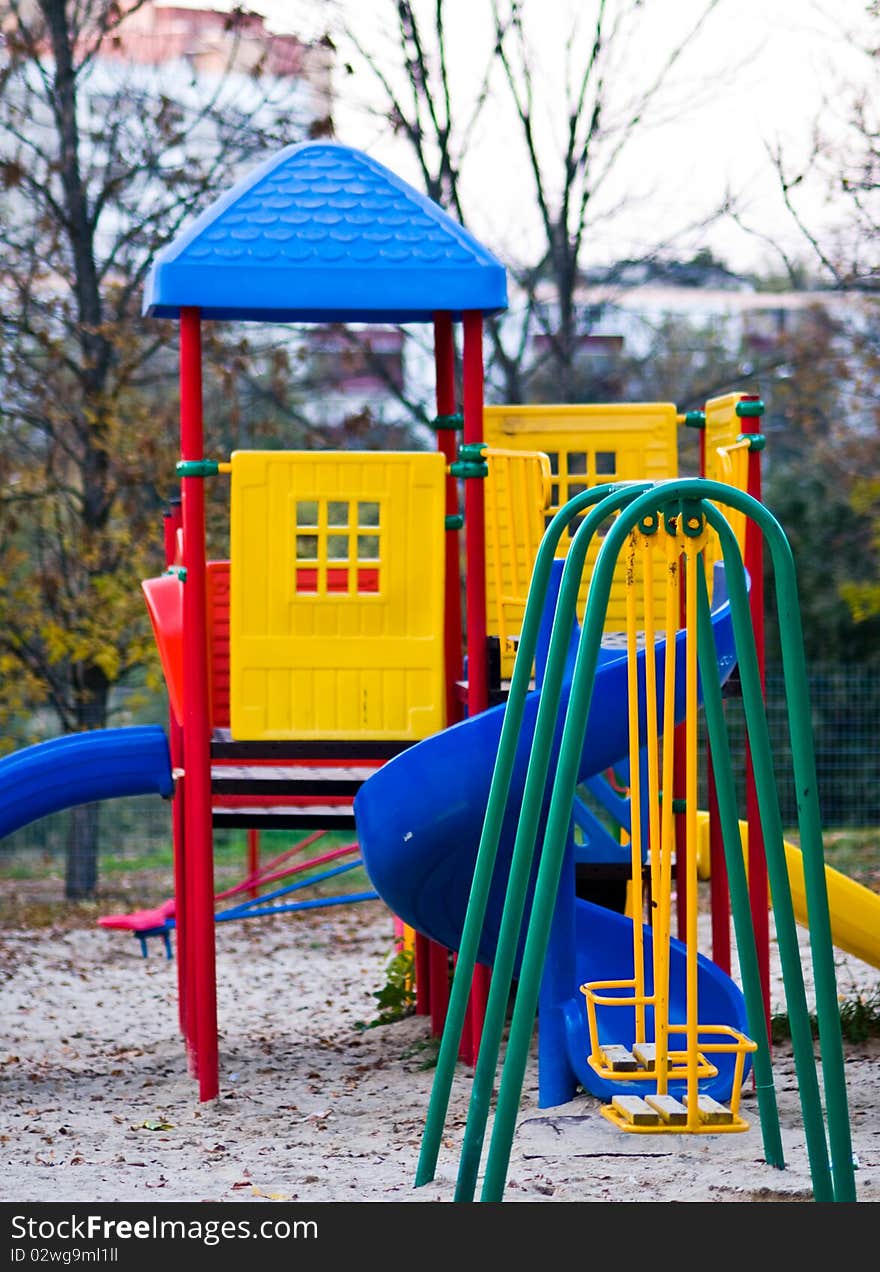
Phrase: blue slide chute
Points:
(80, 768)
(420, 816)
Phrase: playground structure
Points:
(317, 679)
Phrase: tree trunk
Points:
(81, 874)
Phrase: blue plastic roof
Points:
(323, 233)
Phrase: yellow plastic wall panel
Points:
(589, 445)
(517, 497)
(727, 460)
(337, 575)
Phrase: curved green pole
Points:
(719, 748)
(565, 782)
(532, 800)
(840, 1185)
(563, 794)
(491, 832)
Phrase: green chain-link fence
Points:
(846, 725)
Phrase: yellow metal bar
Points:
(692, 899)
(635, 786)
(652, 735)
(662, 913)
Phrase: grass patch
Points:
(859, 1020)
(397, 997)
(854, 852)
(32, 885)
(428, 1049)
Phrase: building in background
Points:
(214, 42)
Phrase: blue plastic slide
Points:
(419, 820)
(81, 767)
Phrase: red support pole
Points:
(253, 859)
(422, 961)
(444, 363)
(198, 831)
(718, 886)
(719, 896)
(475, 519)
(171, 524)
(759, 892)
(679, 791)
(438, 986)
(444, 371)
(475, 600)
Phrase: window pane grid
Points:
(338, 547)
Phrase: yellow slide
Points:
(854, 909)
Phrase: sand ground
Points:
(96, 1103)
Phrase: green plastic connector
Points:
(465, 470)
(695, 419)
(691, 518)
(453, 422)
(197, 467)
(679, 806)
(748, 410)
(454, 521)
(179, 570)
(650, 524)
(471, 452)
(756, 441)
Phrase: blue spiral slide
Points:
(419, 820)
(79, 768)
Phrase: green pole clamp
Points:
(471, 452)
(179, 570)
(454, 422)
(695, 419)
(470, 462)
(650, 523)
(197, 467)
(749, 410)
(454, 521)
(756, 441)
(678, 805)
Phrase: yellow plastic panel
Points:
(517, 497)
(337, 564)
(727, 460)
(589, 445)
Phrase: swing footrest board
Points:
(664, 1114)
(641, 1062)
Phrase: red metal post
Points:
(444, 363)
(422, 962)
(475, 600)
(253, 859)
(436, 960)
(198, 833)
(171, 524)
(719, 897)
(475, 519)
(438, 986)
(679, 789)
(759, 893)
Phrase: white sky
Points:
(761, 73)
